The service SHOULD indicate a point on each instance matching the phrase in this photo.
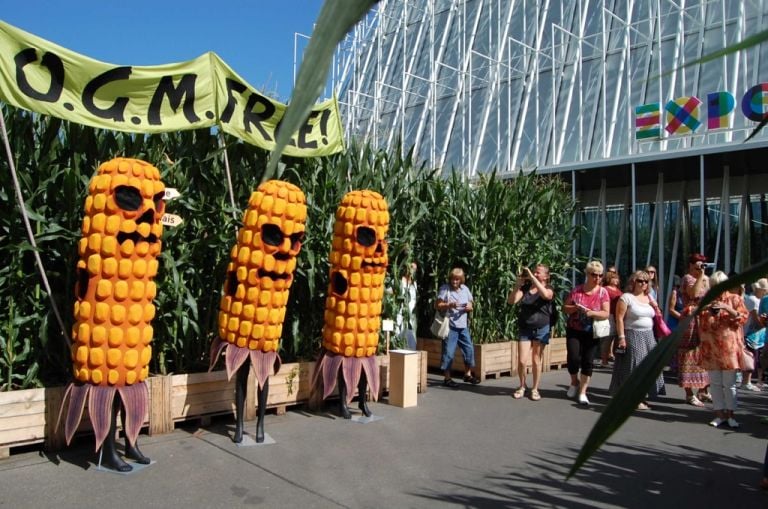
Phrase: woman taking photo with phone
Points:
(722, 342)
(455, 300)
(690, 375)
(534, 316)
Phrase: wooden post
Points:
(54, 433)
(480, 364)
(404, 377)
(160, 415)
(251, 396)
(423, 371)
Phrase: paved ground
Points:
(471, 447)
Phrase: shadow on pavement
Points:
(617, 476)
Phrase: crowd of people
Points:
(616, 323)
(721, 349)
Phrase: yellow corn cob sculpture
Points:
(352, 317)
(117, 262)
(259, 276)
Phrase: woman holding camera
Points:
(690, 375)
(634, 325)
(584, 304)
(534, 318)
(722, 341)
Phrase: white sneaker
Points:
(750, 387)
(572, 391)
(732, 423)
(717, 421)
(583, 399)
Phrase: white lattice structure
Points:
(478, 85)
(510, 84)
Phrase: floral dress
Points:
(722, 335)
(690, 374)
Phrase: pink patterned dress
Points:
(690, 374)
(722, 336)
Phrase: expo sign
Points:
(683, 115)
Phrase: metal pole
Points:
(702, 204)
(634, 218)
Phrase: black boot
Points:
(343, 410)
(362, 392)
(241, 388)
(262, 395)
(132, 452)
(110, 458)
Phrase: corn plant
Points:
(492, 228)
(489, 225)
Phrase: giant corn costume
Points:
(352, 317)
(259, 275)
(112, 333)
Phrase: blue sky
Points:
(255, 37)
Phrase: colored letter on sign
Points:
(683, 115)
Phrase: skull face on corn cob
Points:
(358, 265)
(259, 275)
(117, 262)
(353, 306)
(253, 304)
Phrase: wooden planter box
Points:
(491, 359)
(495, 359)
(555, 355)
(29, 416)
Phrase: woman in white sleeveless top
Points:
(634, 326)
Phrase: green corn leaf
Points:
(336, 18)
(752, 40)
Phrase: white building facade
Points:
(620, 98)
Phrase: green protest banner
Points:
(43, 77)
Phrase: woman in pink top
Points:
(690, 375)
(584, 304)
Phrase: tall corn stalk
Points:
(491, 225)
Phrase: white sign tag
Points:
(171, 194)
(171, 220)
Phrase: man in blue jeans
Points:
(455, 300)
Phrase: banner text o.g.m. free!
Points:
(45, 78)
(683, 115)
